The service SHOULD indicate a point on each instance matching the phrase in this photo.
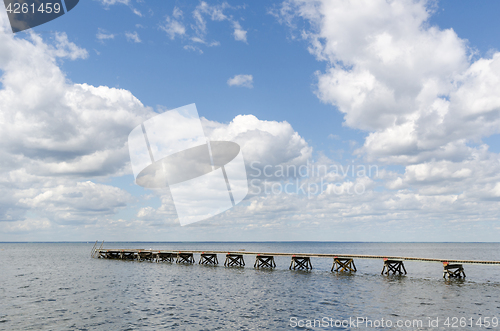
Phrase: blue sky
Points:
(409, 87)
(161, 72)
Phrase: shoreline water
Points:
(58, 286)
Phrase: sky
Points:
(398, 100)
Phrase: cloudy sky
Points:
(409, 90)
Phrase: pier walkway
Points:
(453, 268)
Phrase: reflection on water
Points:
(58, 286)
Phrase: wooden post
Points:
(343, 264)
(453, 271)
(208, 258)
(234, 260)
(264, 261)
(185, 257)
(394, 266)
(300, 263)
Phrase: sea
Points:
(58, 286)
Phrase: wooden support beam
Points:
(234, 260)
(300, 263)
(394, 266)
(112, 255)
(342, 264)
(264, 261)
(165, 257)
(185, 257)
(145, 256)
(126, 255)
(208, 258)
(453, 271)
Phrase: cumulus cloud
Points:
(424, 101)
(265, 142)
(57, 134)
(413, 88)
(241, 80)
(410, 85)
(82, 202)
(239, 33)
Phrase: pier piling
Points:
(234, 260)
(145, 256)
(165, 257)
(264, 261)
(208, 258)
(343, 264)
(300, 263)
(453, 271)
(394, 266)
(112, 255)
(185, 258)
(127, 255)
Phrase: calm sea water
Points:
(57, 286)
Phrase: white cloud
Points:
(197, 31)
(103, 35)
(82, 202)
(193, 48)
(173, 27)
(241, 80)
(424, 103)
(177, 13)
(410, 85)
(57, 134)
(65, 48)
(113, 2)
(109, 3)
(239, 33)
(215, 13)
(265, 142)
(137, 12)
(133, 37)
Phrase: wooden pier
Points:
(452, 268)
